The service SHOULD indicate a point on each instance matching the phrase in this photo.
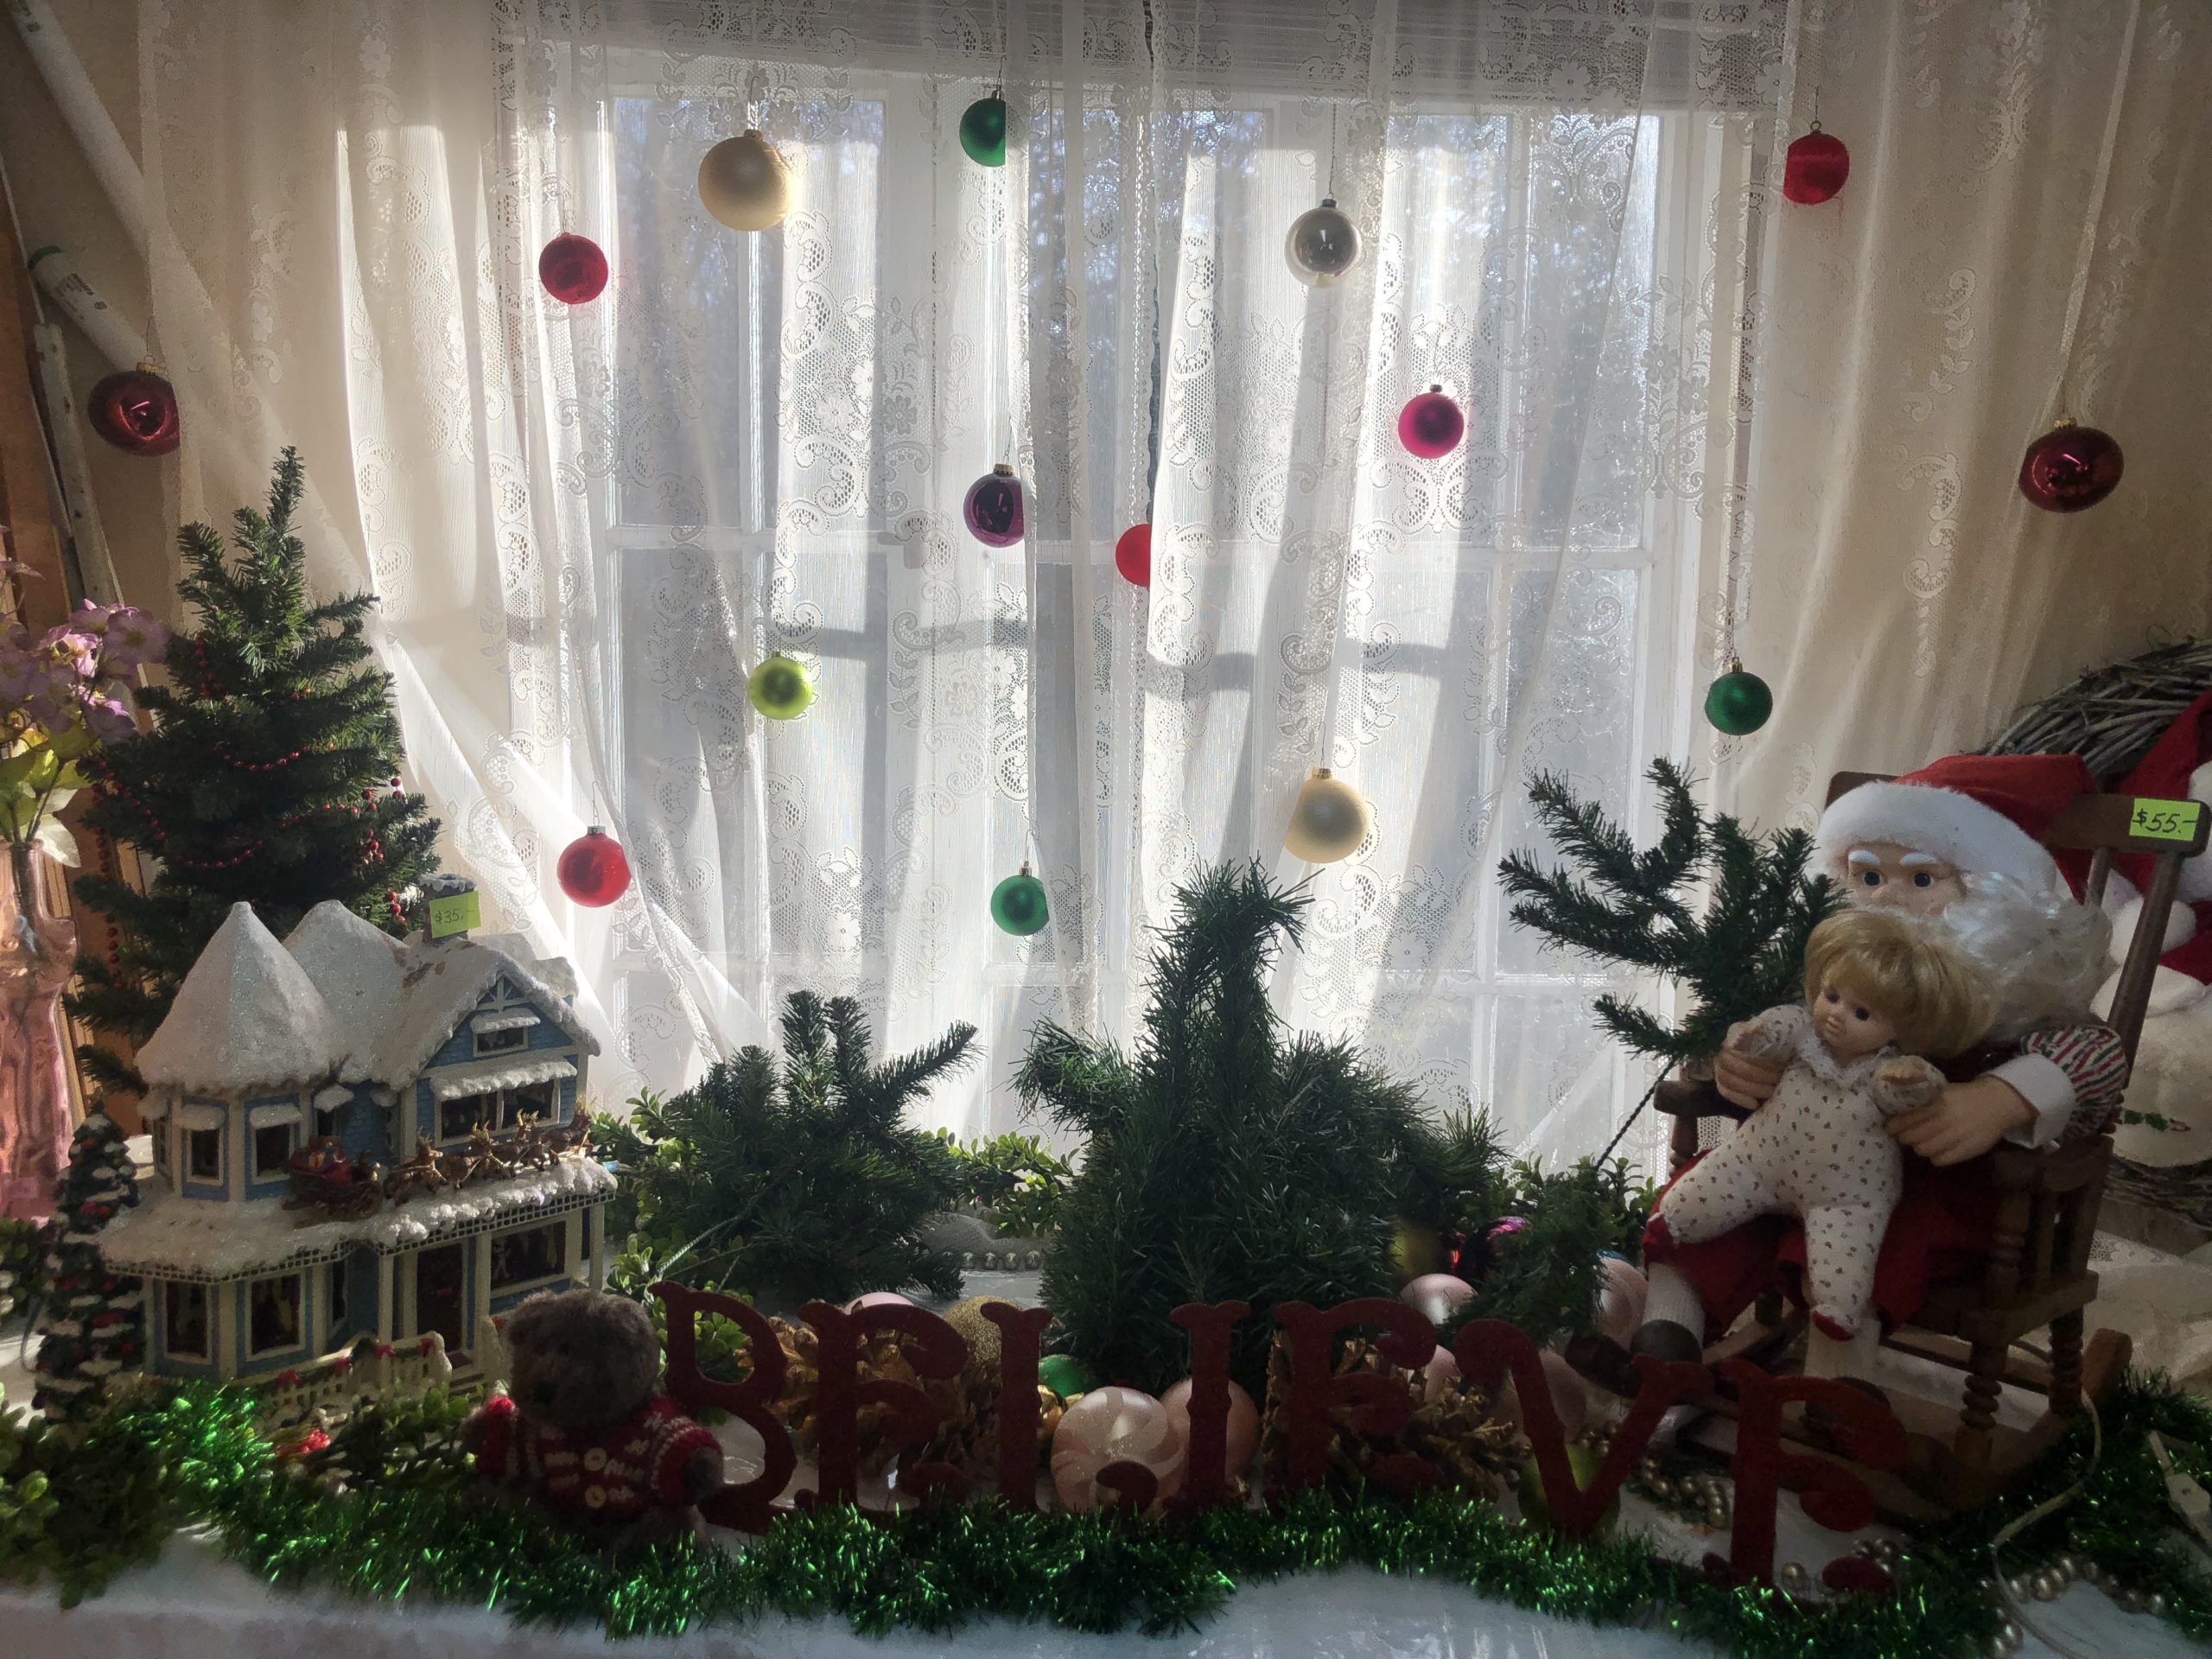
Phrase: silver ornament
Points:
(2018, 1586)
(1714, 1518)
(1997, 1647)
(2012, 1636)
(2128, 1602)
(1323, 244)
(2046, 1585)
(1662, 1491)
(2155, 1604)
(1794, 1578)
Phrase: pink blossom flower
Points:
(66, 647)
(109, 720)
(21, 674)
(132, 638)
(53, 700)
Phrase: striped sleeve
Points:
(2094, 1064)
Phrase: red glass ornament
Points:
(2070, 468)
(135, 411)
(572, 269)
(1431, 424)
(592, 870)
(1814, 168)
(1133, 555)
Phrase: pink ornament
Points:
(992, 508)
(1243, 1422)
(572, 269)
(1436, 1296)
(1431, 424)
(1814, 168)
(594, 870)
(879, 1298)
(1108, 1426)
(2070, 468)
(1442, 1371)
(1570, 1394)
(1621, 1291)
(1133, 555)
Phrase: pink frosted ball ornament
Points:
(1243, 1424)
(1621, 1293)
(1436, 1296)
(1108, 1426)
(1570, 1394)
(879, 1299)
(1431, 425)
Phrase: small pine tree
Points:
(792, 1184)
(1227, 1158)
(270, 773)
(1742, 952)
(90, 1316)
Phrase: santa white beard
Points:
(2044, 954)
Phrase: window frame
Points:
(171, 1291)
(192, 1144)
(263, 1171)
(561, 1269)
(297, 1279)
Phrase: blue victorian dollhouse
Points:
(378, 1063)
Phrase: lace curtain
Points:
(586, 526)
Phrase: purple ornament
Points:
(2070, 468)
(993, 509)
(1431, 425)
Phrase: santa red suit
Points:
(1973, 821)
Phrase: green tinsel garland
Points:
(408, 1530)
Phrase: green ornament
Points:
(1018, 904)
(982, 132)
(1738, 703)
(1536, 1509)
(780, 688)
(1064, 1375)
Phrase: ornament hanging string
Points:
(2085, 245)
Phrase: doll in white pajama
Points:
(1881, 994)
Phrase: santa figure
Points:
(1955, 844)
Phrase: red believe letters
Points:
(1487, 1352)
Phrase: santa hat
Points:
(1985, 814)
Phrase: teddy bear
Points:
(583, 1427)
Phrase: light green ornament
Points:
(780, 688)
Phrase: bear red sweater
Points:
(620, 1473)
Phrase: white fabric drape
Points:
(2009, 165)
(586, 526)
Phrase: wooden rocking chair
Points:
(2037, 1275)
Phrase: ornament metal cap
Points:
(1328, 201)
(1002, 469)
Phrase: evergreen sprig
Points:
(795, 1182)
(267, 776)
(1737, 952)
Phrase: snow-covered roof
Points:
(174, 1237)
(398, 1001)
(247, 1017)
(441, 987)
(354, 964)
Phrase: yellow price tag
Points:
(2165, 820)
(455, 914)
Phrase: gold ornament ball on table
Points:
(745, 182)
(1330, 821)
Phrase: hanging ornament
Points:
(982, 132)
(593, 869)
(1737, 702)
(1018, 904)
(1133, 555)
(572, 269)
(1323, 244)
(1065, 1375)
(992, 508)
(1330, 821)
(780, 688)
(1814, 167)
(745, 182)
(2070, 468)
(135, 411)
(1431, 424)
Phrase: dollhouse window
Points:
(334, 1297)
(203, 1154)
(159, 1137)
(519, 1258)
(272, 1314)
(326, 1119)
(458, 1116)
(506, 1040)
(540, 1099)
(184, 1321)
(272, 1149)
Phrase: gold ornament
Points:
(1330, 821)
(745, 182)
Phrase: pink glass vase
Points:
(37, 954)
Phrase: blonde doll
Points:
(1881, 992)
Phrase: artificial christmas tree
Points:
(1742, 952)
(270, 773)
(90, 1316)
(792, 1184)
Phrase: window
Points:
(204, 1154)
(272, 1150)
(504, 1041)
(540, 1101)
(326, 1119)
(160, 1136)
(272, 1314)
(460, 1115)
(539, 1252)
(184, 1321)
(334, 1297)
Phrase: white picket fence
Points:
(333, 1383)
